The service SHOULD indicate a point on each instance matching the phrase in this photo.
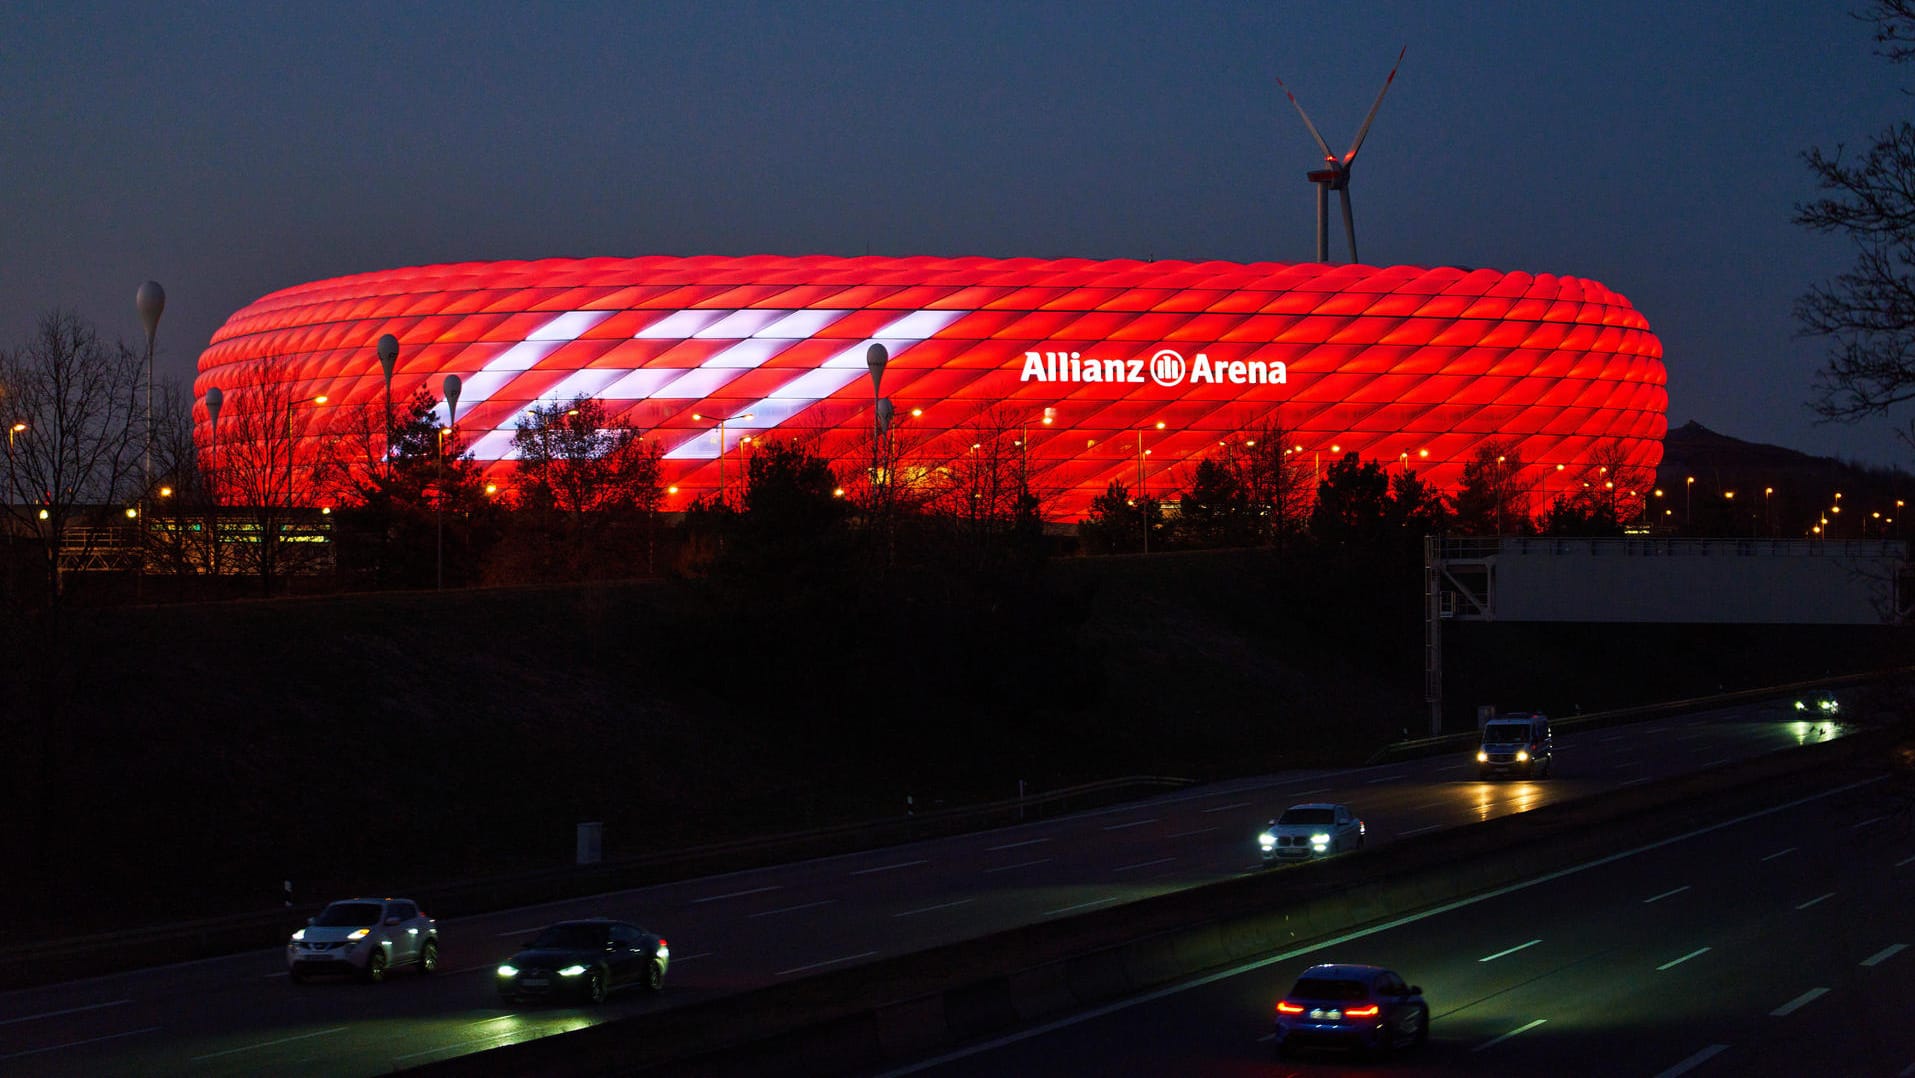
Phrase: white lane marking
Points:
(1512, 950)
(1524, 1028)
(1799, 1002)
(1227, 808)
(1780, 853)
(1420, 830)
(1712, 763)
(1193, 834)
(1813, 901)
(77, 1044)
(826, 962)
(793, 909)
(269, 1044)
(1020, 864)
(1452, 767)
(1865, 823)
(1673, 963)
(1312, 790)
(1885, 954)
(934, 909)
(1904, 861)
(1132, 823)
(1694, 1061)
(1634, 782)
(56, 1014)
(1145, 864)
(1082, 906)
(1386, 778)
(1612, 737)
(1016, 845)
(1665, 894)
(735, 894)
(1429, 805)
(889, 868)
(1318, 946)
(276, 976)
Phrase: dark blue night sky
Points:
(227, 150)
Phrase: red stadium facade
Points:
(1106, 371)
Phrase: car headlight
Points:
(571, 971)
(508, 970)
(1831, 705)
(1522, 756)
(359, 934)
(1266, 840)
(1482, 757)
(299, 935)
(1319, 840)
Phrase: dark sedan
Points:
(585, 960)
(1366, 1008)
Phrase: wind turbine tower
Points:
(1335, 176)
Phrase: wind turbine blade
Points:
(1367, 120)
(1322, 145)
(1349, 223)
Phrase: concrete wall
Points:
(1749, 581)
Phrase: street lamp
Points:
(214, 398)
(13, 430)
(1143, 495)
(722, 420)
(1689, 503)
(388, 348)
(451, 386)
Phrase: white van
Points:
(1515, 744)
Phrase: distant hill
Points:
(1777, 491)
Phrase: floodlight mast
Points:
(1337, 176)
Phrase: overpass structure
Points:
(1657, 580)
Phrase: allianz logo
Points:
(1165, 366)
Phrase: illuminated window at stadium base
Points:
(1095, 371)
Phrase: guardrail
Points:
(51, 960)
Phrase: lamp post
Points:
(13, 429)
(439, 511)
(150, 299)
(388, 348)
(1689, 504)
(214, 398)
(722, 420)
(1143, 495)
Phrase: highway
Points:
(240, 1015)
(1778, 945)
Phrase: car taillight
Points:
(1360, 1012)
(1284, 1006)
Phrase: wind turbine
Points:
(1337, 176)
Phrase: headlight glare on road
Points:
(571, 971)
(508, 970)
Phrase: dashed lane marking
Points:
(1798, 1002)
(1524, 1028)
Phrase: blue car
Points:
(1359, 1008)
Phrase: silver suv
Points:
(364, 937)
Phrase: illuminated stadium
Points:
(1103, 370)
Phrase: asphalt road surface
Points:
(240, 1015)
(1776, 945)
